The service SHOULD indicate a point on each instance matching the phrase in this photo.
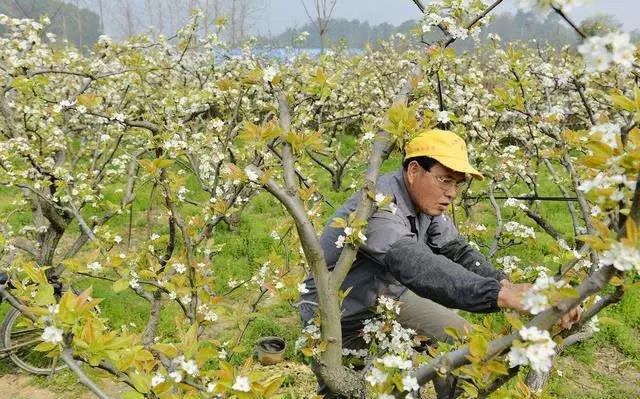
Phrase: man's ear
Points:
(412, 171)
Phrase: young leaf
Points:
(120, 285)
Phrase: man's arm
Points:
(444, 239)
(459, 251)
(438, 278)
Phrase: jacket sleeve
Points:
(444, 239)
(440, 279)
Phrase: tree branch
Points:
(67, 357)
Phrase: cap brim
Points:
(455, 164)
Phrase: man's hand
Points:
(572, 316)
(510, 295)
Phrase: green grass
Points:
(245, 249)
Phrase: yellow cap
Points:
(443, 146)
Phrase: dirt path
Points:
(20, 386)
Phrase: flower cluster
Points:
(383, 201)
(607, 133)
(309, 340)
(396, 343)
(544, 6)
(350, 235)
(52, 335)
(538, 350)
(623, 257)
(509, 263)
(516, 203)
(519, 230)
(600, 52)
(535, 300)
(613, 184)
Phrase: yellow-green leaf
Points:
(632, 230)
(478, 346)
(167, 349)
(45, 347)
(161, 163)
(141, 382)
(132, 395)
(120, 285)
(623, 102)
(44, 295)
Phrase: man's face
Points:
(432, 191)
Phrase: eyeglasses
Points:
(447, 183)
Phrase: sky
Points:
(277, 15)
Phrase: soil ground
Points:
(609, 376)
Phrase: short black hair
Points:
(425, 162)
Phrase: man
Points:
(415, 254)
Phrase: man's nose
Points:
(451, 192)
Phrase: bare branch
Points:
(67, 357)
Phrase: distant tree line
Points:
(78, 25)
(510, 27)
(82, 21)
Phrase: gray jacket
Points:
(407, 250)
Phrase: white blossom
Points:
(302, 288)
(68, 103)
(622, 257)
(157, 380)
(443, 117)
(513, 202)
(94, 266)
(340, 241)
(376, 376)
(519, 230)
(251, 173)
(600, 52)
(52, 335)
(176, 375)
(395, 361)
(179, 268)
(217, 124)
(410, 383)
(368, 136)
(182, 193)
(538, 352)
(269, 73)
(593, 324)
(120, 117)
(241, 384)
(362, 237)
(388, 303)
(608, 132)
(190, 367)
(535, 302)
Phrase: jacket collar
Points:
(403, 201)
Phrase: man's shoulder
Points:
(389, 181)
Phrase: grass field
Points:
(607, 366)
